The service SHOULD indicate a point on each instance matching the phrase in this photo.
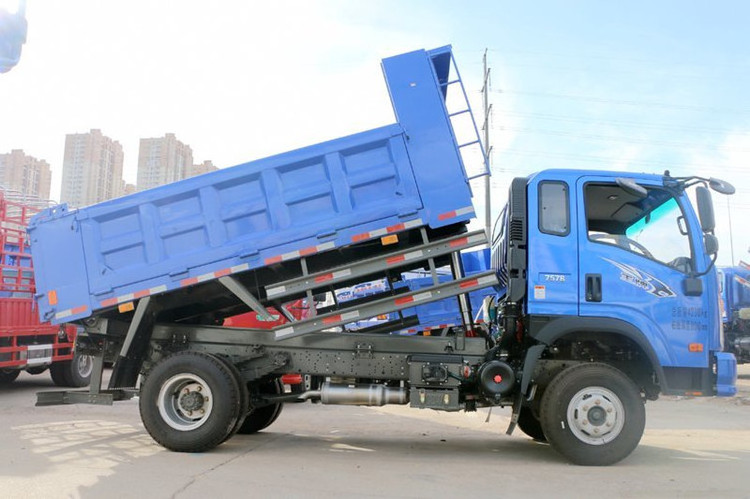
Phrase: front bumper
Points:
(726, 374)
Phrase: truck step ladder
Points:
(465, 108)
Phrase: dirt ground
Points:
(692, 447)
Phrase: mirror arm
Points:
(710, 266)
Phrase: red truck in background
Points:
(297, 309)
(25, 342)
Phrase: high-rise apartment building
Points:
(200, 169)
(25, 174)
(127, 188)
(92, 169)
(163, 160)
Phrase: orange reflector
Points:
(695, 347)
(426, 333)
(126, 307)
(386, 240)
(52, 297)
(382, 317)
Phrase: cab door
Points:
(553, 247)
(634, 257)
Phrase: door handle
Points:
(594, 287)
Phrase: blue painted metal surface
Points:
(735, 290)
(726, 374)
(304, 201)
(558, 264)
(446, 312)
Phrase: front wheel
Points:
(75, 373)
(8, 376)
(190, 402)
(593, 414)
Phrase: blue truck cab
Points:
(614, 266)
(734, 283)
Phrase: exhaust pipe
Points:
(371, 395)
(330, 394)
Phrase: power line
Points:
(682, 107)
(622, 123)
(611, 138)
(609, 57)
(610, 161)
(697, 74)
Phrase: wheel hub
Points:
(596, 415)
(185, 402)
(191, 401)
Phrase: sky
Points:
(637, 86)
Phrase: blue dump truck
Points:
(606, 291)
(734, 283)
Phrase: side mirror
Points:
(721, 186)
(705, 209)
(711, 243)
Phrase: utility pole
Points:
(731, 239)
(487, 148)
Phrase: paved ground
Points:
(691, 448)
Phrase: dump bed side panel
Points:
(259, 213)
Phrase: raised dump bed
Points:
(313, 201)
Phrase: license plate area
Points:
(38, 354)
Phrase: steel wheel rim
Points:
(185, 402)
(84, 365)
(596, 415)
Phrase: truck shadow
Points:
(104, 456)
(432, 445)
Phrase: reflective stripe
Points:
(387, 230)
(300, 253)
(456, 213)
(71, 311)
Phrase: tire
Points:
(190, 402)
(8, 376)
(593, 414)
(36, 370)
(74, 373)
(530, 425)
(241, 387)
(262, 417)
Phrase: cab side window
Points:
(554, 208)
(653, 227)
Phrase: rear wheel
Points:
(241, 388)
(530, 424)
(190, 402)
(75, 373)
(8, 376)
(262, 417)
(593, 414)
